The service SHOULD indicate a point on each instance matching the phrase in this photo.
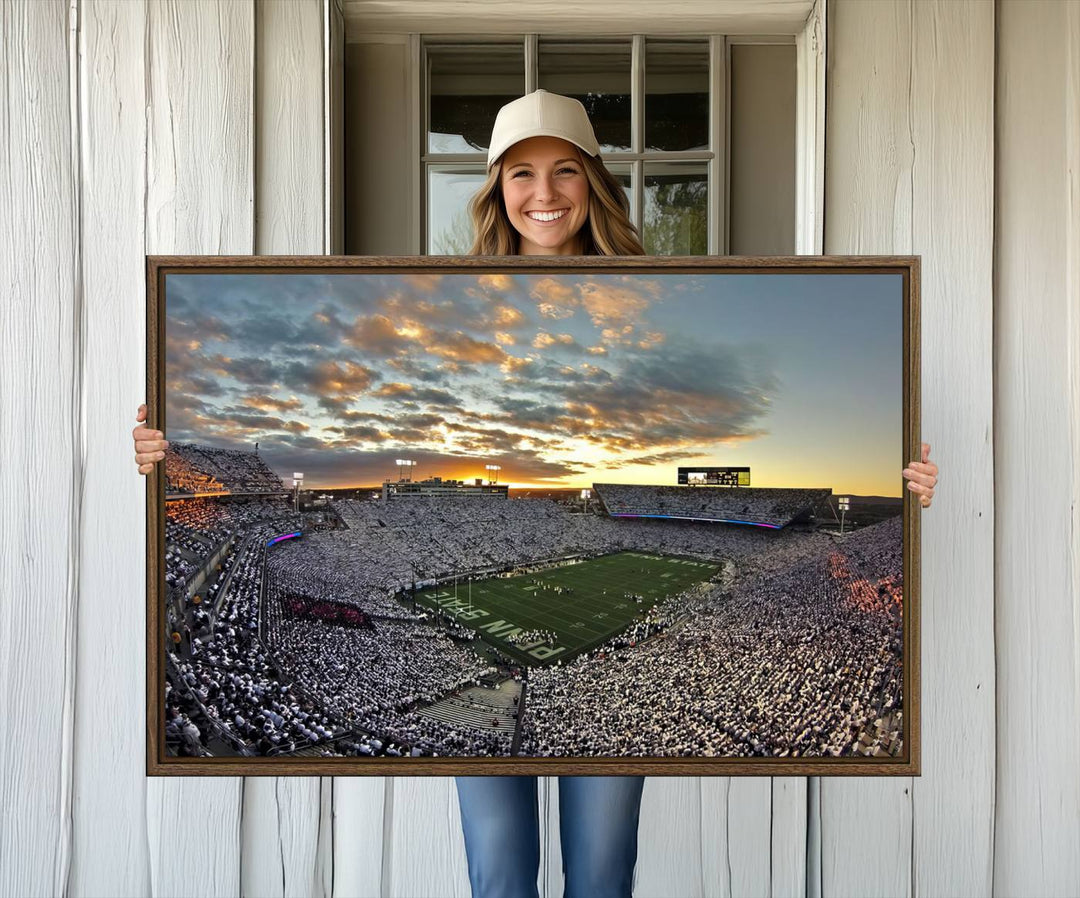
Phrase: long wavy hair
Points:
(607, 230)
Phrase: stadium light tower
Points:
(585, 494)
(844, 503)
(404, 464)
(298, 481)
(493, 472)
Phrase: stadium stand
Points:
(181, 476)
(742, 505)
(192, 468)
(802, 661)
(798, 656)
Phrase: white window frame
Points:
(809, 41)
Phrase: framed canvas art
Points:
(437, 515)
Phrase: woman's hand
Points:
(150, 445)
(922, 477)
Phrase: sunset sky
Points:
(562, 379)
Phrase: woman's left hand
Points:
(922, 477)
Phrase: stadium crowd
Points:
(376, 680)
(195, 529)
(796, 662)
(799, 659)
(193, 468)
(232, 678)
(773, 507)
(181, 476)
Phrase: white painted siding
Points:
(909, 150)
(1037, 454)
(423, 848)
(952, 124)
(109, 776)
(41, 436)
(134, 127)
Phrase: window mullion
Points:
(724, 96)
(421, 230)
(532, 62)
(718, 144)
(637, 128)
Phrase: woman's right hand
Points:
(150, 445)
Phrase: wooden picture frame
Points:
(801, 365)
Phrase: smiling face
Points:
(546, 195)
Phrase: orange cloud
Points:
(617, 334)
(460, 347)
(269, 404)
(393, 389)
(507, 316)
(377, 334)
(609, 305)
(496, 282)
(513, 363)
(404, 306)
(557, 313)
(425, 282)
(555, 299)
(552, 290)
(544, 339)
(342, 378)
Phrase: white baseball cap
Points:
(541, 114)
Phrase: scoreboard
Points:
(714, 476)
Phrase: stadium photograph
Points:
(533, 514)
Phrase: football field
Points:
(584, 603)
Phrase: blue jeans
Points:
(598, 830)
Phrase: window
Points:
(701, 131)
(655, 105)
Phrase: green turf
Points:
(596, 609)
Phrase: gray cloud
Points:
(423, 361)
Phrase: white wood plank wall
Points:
(179, 127)
(110, 787)
(909, 169)
(1037, 450)
(41, 451)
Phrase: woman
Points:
(548, 193)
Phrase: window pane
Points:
(676, 209)
(467, 84)
(762, 197)
(449, 191)
(597, 74)
(623, 174)
(676, 95)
